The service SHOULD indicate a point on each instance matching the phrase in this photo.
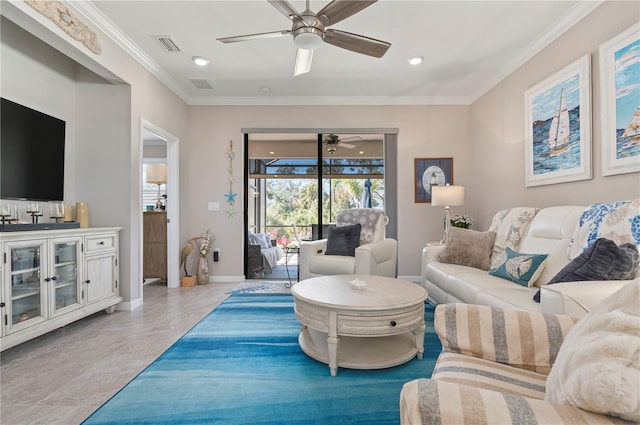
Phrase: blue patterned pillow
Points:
(523, 269)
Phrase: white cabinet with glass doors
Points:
(52, 278)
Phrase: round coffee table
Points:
(378, 326)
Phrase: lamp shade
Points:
(445, 196)
(156, 174)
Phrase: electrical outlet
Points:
(216, 255)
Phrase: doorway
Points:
(161, 147)
(296, 182)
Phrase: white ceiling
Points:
(468, 47)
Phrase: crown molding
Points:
(98, 19)
(327, 100)
(563, 24)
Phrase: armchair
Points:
(376, 254)
(504, 366)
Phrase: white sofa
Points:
(549, 232)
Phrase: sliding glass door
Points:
(291, 198)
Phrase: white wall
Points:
(497, 120)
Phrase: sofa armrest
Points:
(426, 401)
(524, 339)
(430, 254)
(377, 258)
(308, 250)
(576, 299)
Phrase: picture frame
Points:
(558, 126)
(620, 105)
(428, 172)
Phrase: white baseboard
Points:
(129, 305)
(226, 278)
(414, 279)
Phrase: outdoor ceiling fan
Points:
(332, 142)
(310, 31)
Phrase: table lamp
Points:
(157, 174)
(447, 196)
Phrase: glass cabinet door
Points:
(26, 286)
(65, 276)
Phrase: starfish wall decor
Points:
(231, 196)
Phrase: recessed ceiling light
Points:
(200, 61)
(272, 153)
(265, 89)
(416, 60)
(361, 152)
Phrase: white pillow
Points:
(598, 364)
(265, 240)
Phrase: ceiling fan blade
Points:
(273, 34)
(303, 62)
(347, 145)
(356, 43)
(286, 9)
(339, 10)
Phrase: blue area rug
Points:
(242, 365)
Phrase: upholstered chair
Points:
(374, 254)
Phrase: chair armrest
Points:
(576, 298)
(524, 339)
(427, 401)
(308, 250)
(377, 258)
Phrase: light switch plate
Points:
(214, 206)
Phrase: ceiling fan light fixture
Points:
(308, 39)
(416, 60)
(332, 148)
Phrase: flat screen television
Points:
(31, 154)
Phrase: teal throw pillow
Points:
(523, 269)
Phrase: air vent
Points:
(167, 43)
(200, 83)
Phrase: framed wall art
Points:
(558, 127)
(620, 91)
(430, 172)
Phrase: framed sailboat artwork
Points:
(558, 126)
(620, 92)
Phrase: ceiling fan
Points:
(332, 142)
(310, 30)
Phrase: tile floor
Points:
(63, 376)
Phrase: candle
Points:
(68, 215)
(5, 210)
(82, 214)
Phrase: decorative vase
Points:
(202, 273)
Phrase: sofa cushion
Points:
(598, 365)
(430, 401)
(604, 260)
(468, 248)
(523, 269)
(618, 221)
(488, 374)
(511, 226)
(343, 240)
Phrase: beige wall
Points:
(424, 132)
(497, 120)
